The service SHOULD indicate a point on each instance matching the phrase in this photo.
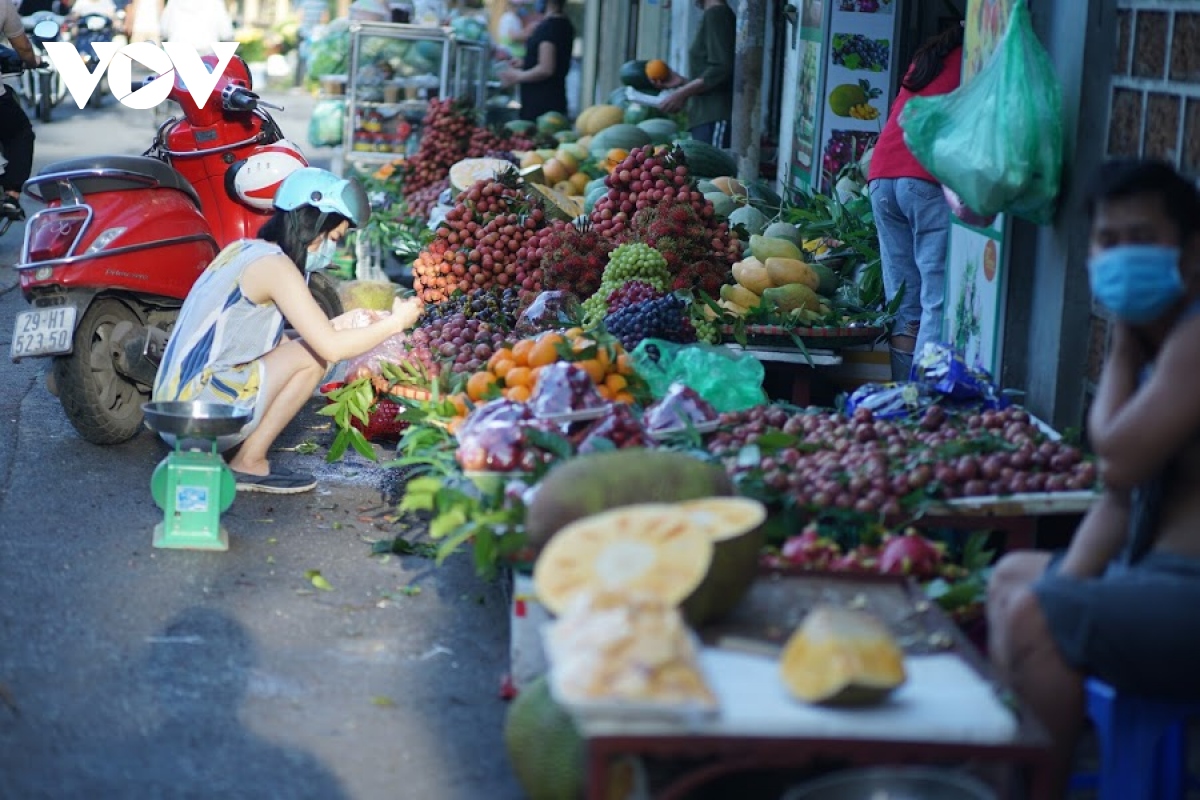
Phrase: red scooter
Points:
(107, 264)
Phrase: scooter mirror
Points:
(46, 29)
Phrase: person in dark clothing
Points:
(542, 74)
(16, 134)
(708, 94)
(1119, 603)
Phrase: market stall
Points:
(603, 304)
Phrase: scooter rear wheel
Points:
(325, 291)
(102, 405)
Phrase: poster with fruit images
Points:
(966, 277)
(858, 77)
(974, 295)
(808, 95)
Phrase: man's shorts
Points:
(1136, 627)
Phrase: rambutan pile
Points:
(446, 132)
(679, 234)
(571, 256)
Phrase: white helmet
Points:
(256, 179)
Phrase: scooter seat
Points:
(92, 174)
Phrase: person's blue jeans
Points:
(913, 220)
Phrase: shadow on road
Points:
(194, 677)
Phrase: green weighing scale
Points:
(192, 485)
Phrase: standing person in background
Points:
(910, 210)
(708, 96)
(511, 33)
(197, 22)
(143, 20)
(542, 74)
(16, 134)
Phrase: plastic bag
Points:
(325, 124)
(549, 311)
(393, 350)
(944, 371)
(997, 141)
(725, 379)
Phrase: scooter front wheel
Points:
(101, 404)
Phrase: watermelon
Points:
(659, 129)
(625, 137)
(633, 74)
(706, 161)
(636, 113)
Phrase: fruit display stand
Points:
(953, 708)
(395, 70)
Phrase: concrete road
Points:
(131, 672)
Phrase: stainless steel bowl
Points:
(198, 420)
(892, 783)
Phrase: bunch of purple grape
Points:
(663, 317)
(854, 51)
(632, 293)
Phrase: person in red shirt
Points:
(911, 213)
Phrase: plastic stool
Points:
(1143, 745)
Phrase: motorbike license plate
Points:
(43, 332)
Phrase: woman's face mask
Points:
(322, 257)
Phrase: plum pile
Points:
(652, 199)
(872, 466)
(461, 344)
(476, 246)
(619, 427)
(664, 317)
(498, 307)
(422, 201)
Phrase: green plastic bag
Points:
(727, 380)
(997, 140)
(326, 123)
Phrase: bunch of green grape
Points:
(706, 329)
(629, 262)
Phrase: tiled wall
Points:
(1154, 104)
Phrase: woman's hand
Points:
(509, 77)
(406, 312)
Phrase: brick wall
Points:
(1154, 105)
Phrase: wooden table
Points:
(769, 614)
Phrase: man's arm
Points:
(24, 49)
(1099, 536)
(719, 45)
(1135, 439)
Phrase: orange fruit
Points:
(623, 397)
(459, 401)
(604, 356)
(519, 376)
(605, 392)
(573, 333)
(502, 367)
(593, 368)
(480, 385)
(624, 364)
(519, 394)
(615, 383)
(520, 352)
(616, 155)
(657, 70)
(502, 354)
(545, 350)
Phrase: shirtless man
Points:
(1121, 602)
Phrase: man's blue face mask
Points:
(1138, 283)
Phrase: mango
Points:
(739, 295)
(783, 271)
(752, 274)
(762, 248)
(791, 297)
